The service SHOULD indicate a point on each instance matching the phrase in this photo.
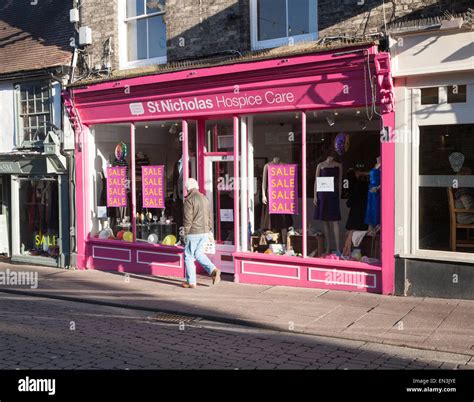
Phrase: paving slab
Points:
(422, 324)
(339, 319)
(373, 324)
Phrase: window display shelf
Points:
(137, 244)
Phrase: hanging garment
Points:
(357, 202)
(372, 213)
(275, 222)
(328, 208)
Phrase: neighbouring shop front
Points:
(293, 153)
(35, 218)
(434, 88)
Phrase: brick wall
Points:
(197, 28)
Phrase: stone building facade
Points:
(203, 28)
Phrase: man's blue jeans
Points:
(193, 251)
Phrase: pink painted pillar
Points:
(133, 180)
(303, 178)
(201, 148)
(82, 191)
(185, 128)
(388, 207)
(236, 185)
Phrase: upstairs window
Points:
(145, 32)
(282, 22)
(35, 112)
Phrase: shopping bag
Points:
(210, 246)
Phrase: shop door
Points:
(219, 173)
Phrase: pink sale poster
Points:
(283, 189)
(153, 186)
(116, 186)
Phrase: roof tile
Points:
(33, 37)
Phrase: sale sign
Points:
(283, 189)
(153, 186)
(116, 186)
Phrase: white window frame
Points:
(54, 101)
(124, 63)
(444, 114)
(284, 41)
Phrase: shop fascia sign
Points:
(218, 102)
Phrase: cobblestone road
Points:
(40, 333)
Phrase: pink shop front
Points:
(293, 153)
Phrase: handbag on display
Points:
(210, 247)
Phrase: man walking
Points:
(197, 226)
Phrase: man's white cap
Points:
(192, 184)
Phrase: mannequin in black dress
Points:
(327, 204)
(356, 202)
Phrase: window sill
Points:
(37, 259)
(143, 63)
(445, 256)
(136, 244)
(287, 41)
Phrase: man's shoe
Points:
(188, 285)
(216, 276)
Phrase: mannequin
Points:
(122, 212)
(327, 204)
(178, 192)
(275, 161)
(275, 222)
(372, 213)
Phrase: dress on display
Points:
(357, 202)
(372, 213)
(327, 208)
(275, 222)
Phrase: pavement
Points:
(40, 333)
(444, 325)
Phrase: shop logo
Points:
(137, 109)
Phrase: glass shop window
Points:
(446, 188)
(159, 172)
(220, 135)
(111, 181)
(343, 186)
(274, 185)
(159, 178)
(39, 217)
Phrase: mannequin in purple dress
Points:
(327, 203)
